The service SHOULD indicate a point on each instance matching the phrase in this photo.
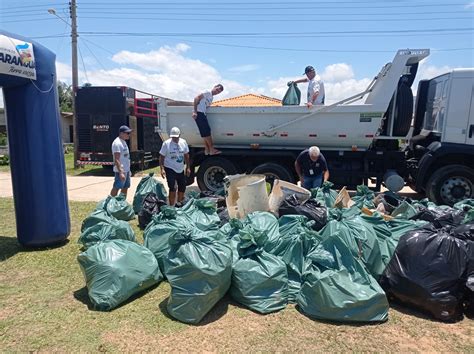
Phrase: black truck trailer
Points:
(102, 110)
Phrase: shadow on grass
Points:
(414, 312)
(217, 312)
(9, 247)
(83, 296)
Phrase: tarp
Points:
(259, 279)
(147, 185)
(199, 269)
(116, 270)
(118, 207)
(337, 286)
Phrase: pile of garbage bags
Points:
(337, 258)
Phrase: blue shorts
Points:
(203, 125)
(118, 184)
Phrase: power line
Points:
(141, 12)
(83, 65)
(37, 5)
(95, 57)
(272, 34)
(318, 7)
(275, 20)
(97, 45)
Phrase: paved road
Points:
(93, 188)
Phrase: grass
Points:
(44, 307)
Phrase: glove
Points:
(290, 83)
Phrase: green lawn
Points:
(44, 307)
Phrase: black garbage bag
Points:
(146, 185)
(199, 269)
(440, 216)
(151, 206)
(311, 208)
(429, 272)
(259, 279)
(116, 270)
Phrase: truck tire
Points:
(451, 184)
(211, 173)
(274, 171)
(404, 110)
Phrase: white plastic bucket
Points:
(246, 194)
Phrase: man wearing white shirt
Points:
(315, 95)
(121, 162)
(174, 154)
(201, 103)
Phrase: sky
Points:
(178, 49)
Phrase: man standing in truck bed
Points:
(201, 103)
(311, 167)
(315, 95)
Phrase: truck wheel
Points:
(273, 171)
(451, 184)
(211, 173)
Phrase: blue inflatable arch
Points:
(28, 79)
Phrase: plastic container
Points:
(246, 194)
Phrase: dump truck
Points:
(382, 134)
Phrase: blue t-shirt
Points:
(318, 167)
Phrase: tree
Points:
(65, 96)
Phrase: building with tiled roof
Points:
(248, 100)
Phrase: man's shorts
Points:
(118, 184)
(203, 125)
(173, 177)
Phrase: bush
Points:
(4, 160)
(3, 139)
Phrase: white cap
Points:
(175, 132)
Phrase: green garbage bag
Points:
(199, 269)
(95, 229)
(116, 270)
(229, 233)
(325, 195)
(259, 279)
(364, 197)
(297, 238)
(201, 212)
(388, 234)
(118, 207)
(404, 211)
(337, 286)
(146, 185)
(360, 237)
(157, 233)
(292, 96)
(467, 206)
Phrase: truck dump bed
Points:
(339, 126)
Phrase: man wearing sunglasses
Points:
(121, 162)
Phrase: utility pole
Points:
(75, 78)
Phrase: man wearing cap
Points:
(121, 162)
(311, 167)
(201, 103)
(174, 154)
(315, 94)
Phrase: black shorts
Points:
(172, 177)
(203, 125)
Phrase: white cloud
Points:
(337, 72)
(244, 68)
(469, 6)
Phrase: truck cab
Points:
(441, 152)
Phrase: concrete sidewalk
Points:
(85, 188)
